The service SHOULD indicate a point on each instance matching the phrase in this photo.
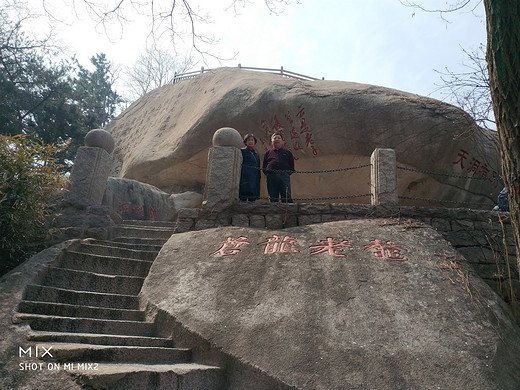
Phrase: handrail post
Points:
(383, 177)
(92, 165)
(224, 167)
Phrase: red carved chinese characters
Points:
(300, 133)
(139, 211)
(231, 246)
(334, 247)
(476, 167)
(462, 156)
(389, 251)
(331, 246)
(126, 208)
(276, 244)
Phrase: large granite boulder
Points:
(163, 138)
(360, 304)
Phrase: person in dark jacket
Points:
(250, 175)
(278, 165)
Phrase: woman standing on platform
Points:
(250, 175)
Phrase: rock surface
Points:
(317, 308)
(136, 200)
(163, 138)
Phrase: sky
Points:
(380, 42)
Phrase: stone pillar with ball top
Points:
(224, 166)
(91, 168)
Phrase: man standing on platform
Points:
(278, 165)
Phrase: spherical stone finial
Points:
(99, 138)
(227, 136)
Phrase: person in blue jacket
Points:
(250, 175)
(502, 202)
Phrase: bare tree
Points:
(177, 19)
(469, 89)
(180, 20)
(155, 68)
(503, 58)
(503, 63)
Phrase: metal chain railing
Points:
(441, 174)
(326, 198)
(442, 201)
(316, 172)
(279, 171)
(429, 200)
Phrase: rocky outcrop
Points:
(140, 201)
(164, 137)
(355, 304)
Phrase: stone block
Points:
(461, 239)
(332, 217)
(308, 219)
(240, 220)
(290, 221)
(488, 226)
(273, 221)
(184, 225)
(205, 223)
(188, 213)
(315, 209)
(458, 225)
(257, 221)
(479, 255)
(441, 224)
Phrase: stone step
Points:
(137, 244)
(65, 310)
(149, 223)
(88, 281)
(142, 231)
(40, 293)
(189, 376)
(100, 339)
(107, 248)
(108, 265)
(65, 352)
(85, 325)
(140, 242)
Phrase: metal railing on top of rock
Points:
(283, 72)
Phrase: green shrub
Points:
(29, 175)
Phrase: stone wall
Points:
(483, 237)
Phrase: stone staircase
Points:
(86, 308)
